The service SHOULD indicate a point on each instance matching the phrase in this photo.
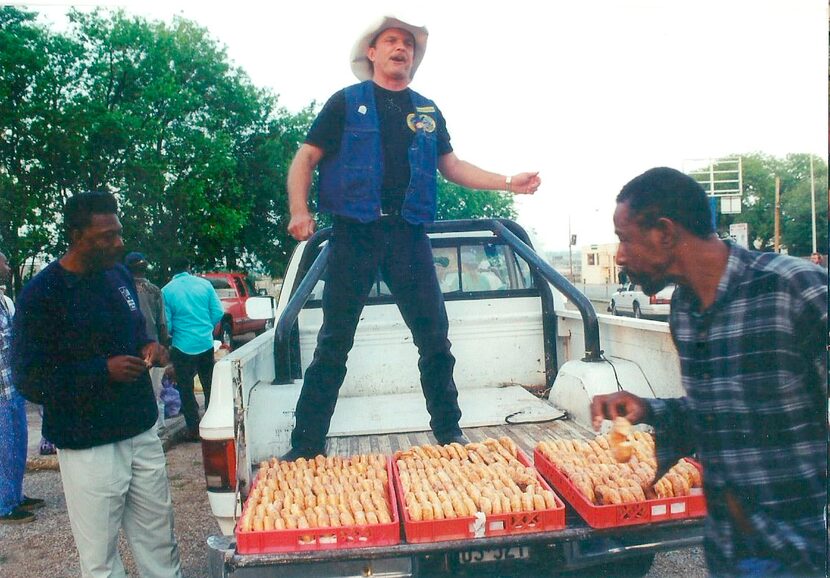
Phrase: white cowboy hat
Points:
(362, 67)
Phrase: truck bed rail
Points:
(286, 368)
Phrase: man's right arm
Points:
(161, 321)
(168, 316)
(300, 174)
(671, 419)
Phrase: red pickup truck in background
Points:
(233, 290)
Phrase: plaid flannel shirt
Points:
(6, 387)
(754, 368)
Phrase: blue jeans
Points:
(14, 438)
(403, 254)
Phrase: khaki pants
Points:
(156, 375)
(121, 485)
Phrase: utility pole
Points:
(570, 249)
(777, 244)
(813, 201)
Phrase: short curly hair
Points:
(666, 192)
(79, 208)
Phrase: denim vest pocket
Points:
(357, 171)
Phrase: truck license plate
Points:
(494, 555)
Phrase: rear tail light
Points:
(655, 300)
(219, 458)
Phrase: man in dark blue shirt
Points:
(81, 350)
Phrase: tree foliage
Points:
(154, 113)
(457, 202)
(31, 145)
(758, 203)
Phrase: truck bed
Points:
(525, 435)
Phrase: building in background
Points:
(599, 264)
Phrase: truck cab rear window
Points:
(474, 269)
(222, 287)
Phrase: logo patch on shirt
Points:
(128, 298)
(421, 122)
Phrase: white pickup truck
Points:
(527, 367)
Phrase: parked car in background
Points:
(629, 299)
(233, 290)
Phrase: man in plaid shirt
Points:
(751, 333)
(15, 508)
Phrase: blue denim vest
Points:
(351, 179)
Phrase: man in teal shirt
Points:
(193, 309)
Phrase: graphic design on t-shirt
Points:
(125, 292)
(424, 122)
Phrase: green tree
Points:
(196, 154)
(457, 202)
(37, 142)
(758, 203)
(264, 171)
(796, 219)
(165, 116)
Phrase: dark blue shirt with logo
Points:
(66, 328)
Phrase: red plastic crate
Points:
(310, 539)
(656, 510)
(494, 524)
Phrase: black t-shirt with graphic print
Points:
(393, 107)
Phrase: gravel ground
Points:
(688, 563)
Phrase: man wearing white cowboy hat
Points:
(378, 145)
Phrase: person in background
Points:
(149, 296)
(379, 146)
(192, 309)
(80, 349)
(45, 447)
(472, 278)
(6, 299)
(751, 332)
(15, 507)
(815, 259)
(151, 303)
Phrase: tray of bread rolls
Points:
(457, 492)
(610, 486)
(319, 504)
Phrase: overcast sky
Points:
(588, 92)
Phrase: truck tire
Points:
(637, 313)
(226, 335)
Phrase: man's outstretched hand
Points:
(619, 404)
(525, 183)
